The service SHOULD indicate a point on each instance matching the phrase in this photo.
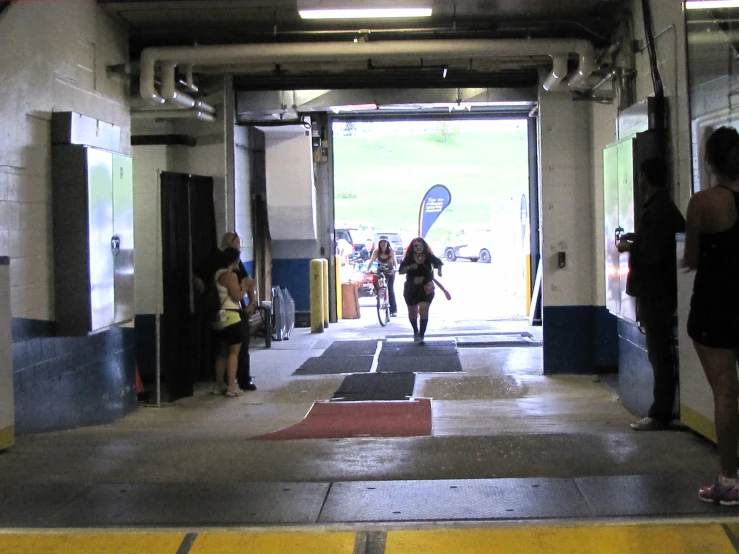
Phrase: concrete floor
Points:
(499, 419)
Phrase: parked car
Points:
(366, 282)
(344, 233)
(473, 249)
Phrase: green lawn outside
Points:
(380, 179)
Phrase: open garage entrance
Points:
(382, 169)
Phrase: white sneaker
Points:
(233, 393)
(416, 337)
(648, 424)
(218, 390)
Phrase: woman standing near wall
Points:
(228, 327)
(712, 248)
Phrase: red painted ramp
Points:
(336, 420)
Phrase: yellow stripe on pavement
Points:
(617, 539)
(111, 542)
(268, 543)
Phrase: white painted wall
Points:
(566, 200)
(291, 191)
(242, 192)
(669, 24)
(208, 158)
(148, 162)
(60, 51)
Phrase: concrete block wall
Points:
(55, 58)
(579, 335)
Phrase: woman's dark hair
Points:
(722, 152)
(388, 249)
(229, 256)
(408, 258)
(655, 171)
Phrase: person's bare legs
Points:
(423, 312)
(220, 364)
(232, 366)
(719, 364)
(413, 316)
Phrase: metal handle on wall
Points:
(619, 233)
(115, 245)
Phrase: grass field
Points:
(382, 175)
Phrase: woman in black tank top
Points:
(712, 248)
(387, 265)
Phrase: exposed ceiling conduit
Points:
(169, 92)
(333, 52)
(558, 73)
(189, 83)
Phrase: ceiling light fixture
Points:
(362, 9)
(710, 4)
(365, 13)
(354, 108)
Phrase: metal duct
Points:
(333, 52)
(558, 73)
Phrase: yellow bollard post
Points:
(324, 266)
(337, 278)
(316, 296)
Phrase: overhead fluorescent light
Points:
(354, 108)
(710, 4)
(364, 13)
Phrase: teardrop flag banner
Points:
(435, 201)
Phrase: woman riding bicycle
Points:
(386, 265)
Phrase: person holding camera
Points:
(653, 281)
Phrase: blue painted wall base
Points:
(294, 275)
(66, 382)
(579, 339)
(635, 380)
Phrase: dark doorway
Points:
(188, 235)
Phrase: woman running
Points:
(418, 266)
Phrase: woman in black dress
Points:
(418, 266)
(712, 248)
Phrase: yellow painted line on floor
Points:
(111, 542)
(617, 539)
(268, 543)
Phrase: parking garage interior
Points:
(499, 435)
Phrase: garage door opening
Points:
(383, 169)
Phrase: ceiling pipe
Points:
(608, 78)
(189, 83)
(558, 73)
(332, 52)
(585, 67)
(203, 107)
(169, 92)
(147, 90)
(173, 114)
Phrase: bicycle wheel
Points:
(383, 309)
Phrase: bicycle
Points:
(383, 300)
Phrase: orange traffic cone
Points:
(141, 393)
